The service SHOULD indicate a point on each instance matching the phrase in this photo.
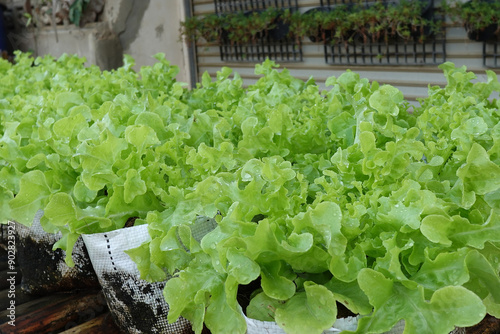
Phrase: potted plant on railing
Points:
(321, 24)
(190, 29)
(479, 17)
(388, 22)
(369, 23)
(237, 28)
(248, 27)
(308, 24)
(210, 28)
(281, 23)
(421, 20)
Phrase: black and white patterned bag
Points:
(137, 306)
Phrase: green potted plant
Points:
(190, 29)
(321, 24)
(308, 24)
(416, 20)
(248, 27)
(238, 27)
(479, 18)
(404, 20)
(210, 28)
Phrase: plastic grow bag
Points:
(258, 326)
(44, 270)
(342, 324)
(136, 305)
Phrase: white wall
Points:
(146, 27)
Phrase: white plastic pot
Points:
(137, 306)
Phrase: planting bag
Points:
(342, 324)
(137, 306)
(258, 326)
(44, 270)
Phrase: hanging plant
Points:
(281, 24)
(375, 23)
(479, 18)
(248, 27)
(309, 24)
(208, 27)
(237, 28)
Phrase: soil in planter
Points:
(138, 306)
(245, 293)
(44, 270)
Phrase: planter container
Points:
(484, 35)
(327, 34)
(342, 324)
(44, 270)
(280, 31)
(137, 306)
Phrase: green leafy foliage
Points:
(318, 198)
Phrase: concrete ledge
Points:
(95, 41)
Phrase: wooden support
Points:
(101, 324)
(54, 313)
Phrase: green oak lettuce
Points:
(338, 196)
(321, 197)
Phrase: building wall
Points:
(412, 80)
(146, 27)
(140, 28)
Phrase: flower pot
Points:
(488, 33)
(280, 31)
(322, 35)
(420, 34)
(483, 35)
(44, 271)
(136, 305)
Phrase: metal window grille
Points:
(285, 49)
(491, 54)
(394, 51)
(232, 6)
